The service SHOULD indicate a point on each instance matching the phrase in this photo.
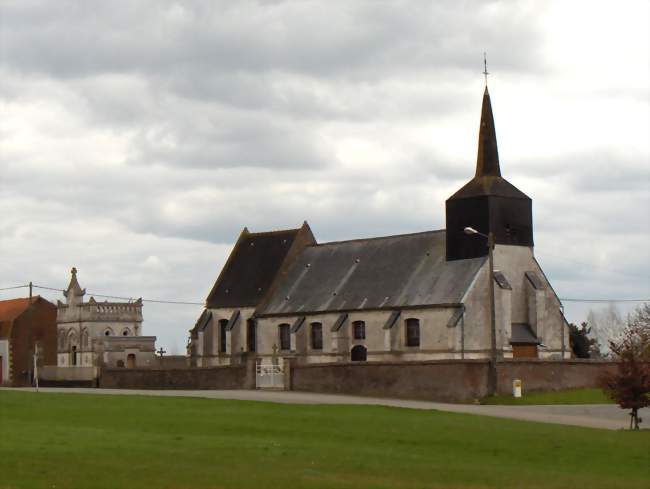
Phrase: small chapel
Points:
(409, 297)
(95, 334)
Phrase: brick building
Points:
(24, 327)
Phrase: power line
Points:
(15, 287)
(604, 300)
(104, 296)
(189, 303)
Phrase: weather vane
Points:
(485, 71)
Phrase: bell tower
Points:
(488, 202)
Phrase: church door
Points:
(359, 353)
(524, 351)
(130, 360)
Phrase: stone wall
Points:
(442, 380)
(445, 381)
(236, 377)
(538, 375)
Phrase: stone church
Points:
(419, 296)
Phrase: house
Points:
(26, 326)
(409, 297)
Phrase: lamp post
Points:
(492, 372)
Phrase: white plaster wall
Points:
(4, 353)
(436, 339)
(540, 309)
(235, 339)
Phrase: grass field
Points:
(86, 441)
(572, 396)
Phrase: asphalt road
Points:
(603, 416)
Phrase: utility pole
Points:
(492, 370)
(30, 334)
(492, 379)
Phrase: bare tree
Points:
(606, 324)
(629, 386)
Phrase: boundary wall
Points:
(440, 380)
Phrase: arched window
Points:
(285, 336)
(222, 335)
(85, 342)
(61, 340)
(126, 332)
(358, 353)
(359, 330)
(316, 336)
(108, 332)
(412, 332)
(251, 334)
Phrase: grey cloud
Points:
(361, 39)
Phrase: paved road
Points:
(604, 416)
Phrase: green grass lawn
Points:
(572, 396)
(100, 441)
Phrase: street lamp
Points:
(492, 373)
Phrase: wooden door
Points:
(524, 351)
(130, 360)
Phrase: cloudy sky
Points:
(138, 138)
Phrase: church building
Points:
(409, 297)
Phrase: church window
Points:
(359, 330)
(316, 336)
(251, 334)
(285, 336)
(74, 355)
(412, 332)
(222, 335)
(125, 332)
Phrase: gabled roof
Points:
(377, 273)
(11, 309)
(253, 264)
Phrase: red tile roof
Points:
(10, 310)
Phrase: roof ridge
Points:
(374, 238)
(274, 232)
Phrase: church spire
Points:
(487, 160)
(74, 289)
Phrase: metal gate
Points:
(269, 375)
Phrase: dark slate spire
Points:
(487, 160)
(488, 202)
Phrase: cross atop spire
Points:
(485, 71)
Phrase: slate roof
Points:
(251, 268)
(377, 273)
(522, 333)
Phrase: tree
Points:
(629, 385)
(582, 345)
